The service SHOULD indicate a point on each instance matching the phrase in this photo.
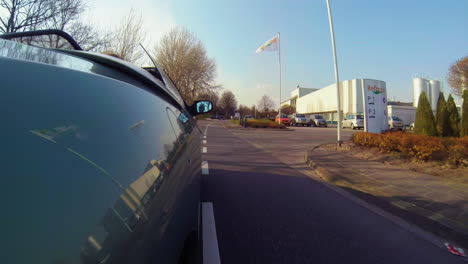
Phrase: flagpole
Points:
(279, 60)
(338, 124)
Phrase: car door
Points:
(95, 169)
(352, 120)
(346, 121)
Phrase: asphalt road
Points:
(267, 211)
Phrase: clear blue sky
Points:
(386, 40)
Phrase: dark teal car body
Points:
(100, 161)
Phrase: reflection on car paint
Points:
(183, 118)
(118, 166)
(128, 210)
(127, 193)
(142, 122)
(52, 134)
(15, 50)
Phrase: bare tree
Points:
(265, 104)
(23, 15)
(89, 38)
(126, 40)
(65, 13)
(245, 110)
(458, 76)
(228, 103)
(67, 18)
(185, 60)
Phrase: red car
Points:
(284, 119)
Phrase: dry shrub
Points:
(426, 148)
(263, 123)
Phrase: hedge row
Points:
(263, 123)
(452, 150)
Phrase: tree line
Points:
(447, 121)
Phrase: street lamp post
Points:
(338, 97)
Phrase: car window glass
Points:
(94, 166)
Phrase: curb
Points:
(262, 129)
(438, 223)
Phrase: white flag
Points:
(270, 45)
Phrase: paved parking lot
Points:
(268, 211)
(290, 146)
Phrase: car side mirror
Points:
(200, 107)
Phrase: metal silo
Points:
(419, 85)
(435, 90)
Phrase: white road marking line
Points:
(204, 141)
(204, 150)
(204, 136)
(206, 129)
(209, 237)
(204, 168)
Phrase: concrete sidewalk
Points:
(440, 203)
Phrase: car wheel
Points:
(352, 126)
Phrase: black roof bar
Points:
(58, 32)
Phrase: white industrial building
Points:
(323, 101)
(430, 87)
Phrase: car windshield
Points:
(284, 116)
(300, 115)
(359, 116)
(396, 118)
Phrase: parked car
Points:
(218, 117)
(249, 117)
(99, 161)
(318, 120)
(354, 121)
(394, 122)
(284, 119)
(299, 120)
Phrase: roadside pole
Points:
(338, 97)
(462, 77)
(279, 60)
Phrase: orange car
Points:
(284, 119)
